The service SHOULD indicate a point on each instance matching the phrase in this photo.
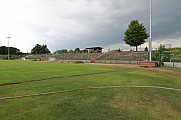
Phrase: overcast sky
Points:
(68, 24)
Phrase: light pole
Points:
(150, 39)
(8, 46)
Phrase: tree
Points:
(77, 50)
(71, 51)
(146, 49)
(12, 51)
(83, 51)
(136, 34)
(3, 50)
(61, 51)
(40, 49)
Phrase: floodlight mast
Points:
(150, 39)
(8, 46)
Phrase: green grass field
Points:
(84, 102)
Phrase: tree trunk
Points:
(136, 48)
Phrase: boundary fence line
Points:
(172, 64)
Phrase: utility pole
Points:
(8, 46)
(150, 39)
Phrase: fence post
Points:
(173, 64)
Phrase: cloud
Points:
(68, 24)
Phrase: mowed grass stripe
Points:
(32, 70)
(100, 87)
(53, 78)
(124, 104)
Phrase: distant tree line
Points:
(12, 51)
(77, 50)
(40, 49)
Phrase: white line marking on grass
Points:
(101, 87)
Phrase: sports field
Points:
(51, 91)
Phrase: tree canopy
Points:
(136, 34)
(40, 49)
(61, 51)
(77, 50)
(12, 51)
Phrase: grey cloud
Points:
(83, 23)
(166, 18)
(103, 22)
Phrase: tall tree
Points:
(136, 34)
(40, 49)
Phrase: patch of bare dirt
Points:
(121, 65)
(155, 69)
